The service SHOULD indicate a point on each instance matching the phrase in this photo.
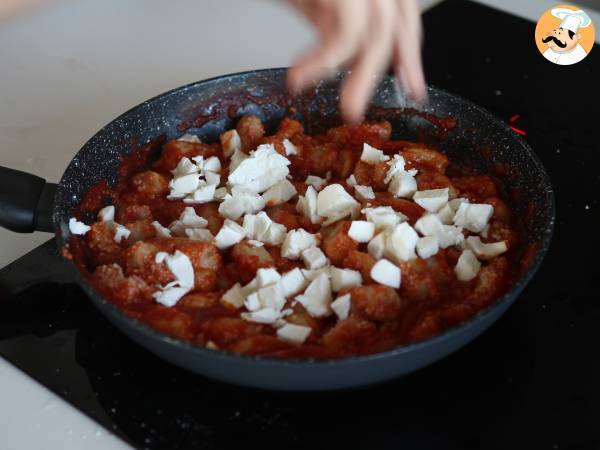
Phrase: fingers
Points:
(373, 59)
(340, 39)
(407, 50)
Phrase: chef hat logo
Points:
(564, 35)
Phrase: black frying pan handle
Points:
(26, 201)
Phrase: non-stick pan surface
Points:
(209, 107)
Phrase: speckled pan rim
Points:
(510, 296)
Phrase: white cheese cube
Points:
(252, 302)
(376, 246)
(383, 217)
(352, 212)
(316, 182)
(199, 234)
(351, 180)
(429, 225)
(264, 315)
(183, 185)
(307, 205)
(279, 193)
(473, 216)
(160, 230)
(484, 250)
(267, 276)
(204, 194)
(314, 258)
(450, 236)
(212, 178)
(403, 185)
(361, 231)
(446, 214)
(241, 202)
(396, 166)
(264, 168)
(317, 297)
(386, 273)
(400, 243)
(184, 167)
(456, 202)
(372, 156)
(312, 275)
(190, 219)
(77, 227)
(220, 193)
(334, 200)
(296, 242)
(364, 193)
(290, 148)
(272, 296)
(107, 214)
(121, 233)
(294, 334)
(467, 266)
(170, 296)
(341, 306)
(212, 164)
(275, 235)
(180, 266)
(427, 246)
(229, 234)
(431, 199)
(234, 296)
(344, 278)
(254, 243)
(230, 142)
(293, 282)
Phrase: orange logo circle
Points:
(564, 35)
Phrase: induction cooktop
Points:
(531, 381)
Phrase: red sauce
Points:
(429, 300)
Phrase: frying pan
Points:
(206, 108)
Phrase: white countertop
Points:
(69, 69)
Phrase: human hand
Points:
(364, 35)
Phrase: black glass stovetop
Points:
(532, 381)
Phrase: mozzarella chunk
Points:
(190, 219)
(264, 168)
(170, 296)
(290, 148)
(456, 202)
(212, 164)
(241, 202)
(400, 243)
(451, 235)
(236, 159)
(77, 227)
(279, 193)
(314, 258)
(234, 296)
(372, 156)
(264, 315)
(107, 214)
(383, 217)
(252, 303)
(307, 205)
(160, 230)
(351, 180)
(396, 166)
(272, 296)
(184, 167)
(212, 178)
(427, 246)
(384, 272)
(204, 194)
(199, 234)
(230, 142)
(183, 185)
(376, 246)
(344, 278)
(364, 193)
(221, 193)
(121, 233)
(229, 234)
(317, 182)
(361, 230)
(334, 200)
(467, 266)
(429, 225)
(296, 242)
(341, 306)
(483, 250)
(260, 227)
(267, 276)
(312, 275)
(473, 216)
(180, 266)
(294, 334)
(317, 297)
(431, 199)
(352, 212)
(403, 185)
(254, 243)
(446, 214)
(293, 282)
